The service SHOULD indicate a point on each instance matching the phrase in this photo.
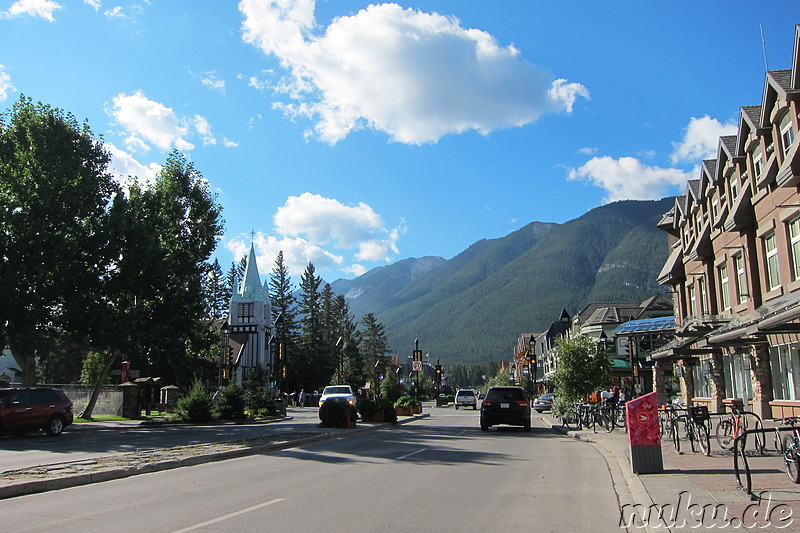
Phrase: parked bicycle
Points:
(789, 447)
(737, 423)
(695, 427)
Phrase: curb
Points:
(75, 480)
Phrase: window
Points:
(787, 133)
(702, 379)
(785, 363)
(741, 278)
(246, 315)
(724, 288)
(692, 301)
(794, 237)
(771, 254)
(758, 165)
(734, 184)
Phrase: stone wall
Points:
(108, 403)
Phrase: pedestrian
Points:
(302, 398)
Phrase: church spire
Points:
(251, 284)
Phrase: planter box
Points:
(416, 409)
(377, 416)
(402, 411)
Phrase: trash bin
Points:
(644, 434)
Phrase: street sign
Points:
(418, 356)
(416, 366)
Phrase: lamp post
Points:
(513, 376)
(340, 345)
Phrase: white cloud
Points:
(34, 8)
(124, 167)
(413, 75)
(211, 81)
(588, 150)
(147, 121)
(355, 270)
(701, 139)
(228, 143)
(297, 253)
(202, 127)
(5, 84)
(95, 4)
(628, 178)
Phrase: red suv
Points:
(33, 408)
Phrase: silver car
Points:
(465, 398)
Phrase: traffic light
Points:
(532, 366)
(438, 372)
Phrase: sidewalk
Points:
(696, 491)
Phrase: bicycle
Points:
(570, 418)
(790, 448)
(694, 427)
(665, 418)
(736, 424)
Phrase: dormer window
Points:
(734, 185)
(787, 137)
(758, 165)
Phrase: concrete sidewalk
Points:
(696, 491)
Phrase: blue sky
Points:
(352, 135)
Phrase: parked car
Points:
(338, 392)
(466, 398)
(505, 405)
(544, 402)
(32, 408)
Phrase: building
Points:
(735, 262)
(247, 331)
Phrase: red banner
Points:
(642, 418)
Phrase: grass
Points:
(100, 418)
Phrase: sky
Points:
(352, 135)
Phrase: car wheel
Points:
(55, 426)
(484, 427)
(456, 407)
(527, 427)
(474, 407)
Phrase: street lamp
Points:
(341, 345)
(513, 376)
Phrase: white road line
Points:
(410, 454)
(231, 515)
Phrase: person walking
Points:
(302, 398)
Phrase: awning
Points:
(649, 325)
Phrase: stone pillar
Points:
(130, 400)
(761, 374)
(169, 397)
(659, 386)
(718, 392)
(687, 382)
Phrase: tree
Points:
(582, 368)
(54, 194)
(154, 305)
(374, 345)
(312, 364)
(93, 368)
(217, 292)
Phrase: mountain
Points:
(473, 307)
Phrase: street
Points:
(437, 474)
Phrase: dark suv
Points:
(34, 408)
(505, 405)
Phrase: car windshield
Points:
(465, 393)
(337, 390)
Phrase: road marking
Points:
(410, 454)
(231, 515)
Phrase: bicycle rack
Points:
(739, 444)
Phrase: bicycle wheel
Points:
(725, 434)
(759, 438)
(665, 422)
(701, 433)
(607, 420)
(570, 419)
(791, 458)
(676, 435)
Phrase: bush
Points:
(196, 405)
(367, 408)
(389, 414)
(258, 401)
(337, 413)
(229, 402)
(406, 401)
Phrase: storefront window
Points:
(785, 363)
(702, 379)
(737, 379)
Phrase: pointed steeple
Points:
(251, 288)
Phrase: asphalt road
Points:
(439, 474)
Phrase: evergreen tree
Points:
(284, 315)
(217, 291)
(374, 345)
(312, 365)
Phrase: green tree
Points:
(312, 364)
(374, 345)
(284, 310)
(582, 368)
(54, 193)
(217, 292)
(93, 368)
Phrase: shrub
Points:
(389, 414)
(336, 413)
(229, 402)
(257, 398)
(196, 405)
(406, 401)
(367, 408)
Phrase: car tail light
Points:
(523, 403)
(488, 403)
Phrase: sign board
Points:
(416, 366)
(642, 418)
(418, 355)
